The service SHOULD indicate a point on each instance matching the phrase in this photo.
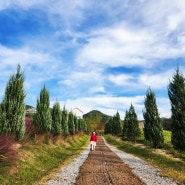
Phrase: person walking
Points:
(93, 140)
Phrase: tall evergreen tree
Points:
(56, 119)
(125, 133)
(176, 93)
(116, 125)
(108, 126)
(80, 124)
(13, 106)
(153, 129)
(3, 125)
(133, 125)
(76, 123)
(65, 128)
(83, 125)
(71, 124)
(42, 118)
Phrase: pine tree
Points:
(71, 124)
(13, 107)
(133, 125)
(3, 125)
(76, 123)
(116, 126)
(176, 93)
(42, 118)
(56, 119)
(153, 129)
(65, 128)
(108, 126)
(125, 133)
(80, 124)
(83, 125)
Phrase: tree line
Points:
(13, 111)
(153, 124)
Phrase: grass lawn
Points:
(38, 160)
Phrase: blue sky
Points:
(95, 55)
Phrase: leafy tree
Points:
(176, 93)
(56, 119)
(116, 124)
(108, 126)
(133, 125)
(42, 118)
(65, 127)
(125, 133)
(153, 129)
(13, 108)
(71, 124)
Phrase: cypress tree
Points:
(76, 123)
(83, 125)
(153, 129)
(79, 124)
(108, 126)
(71, 124)
(125, 133)
(42, 118)
(176, 93)
(13, 106)
(116, 126)
(65, 128)
(133, 125)
(3, 125)
(56, 119)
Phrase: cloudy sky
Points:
(93, 54)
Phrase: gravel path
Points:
(150, 175)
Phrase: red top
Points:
(93, 138)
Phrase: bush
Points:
(8, 150)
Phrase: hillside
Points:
(96, 120)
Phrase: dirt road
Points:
(104, 167)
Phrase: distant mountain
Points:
(96, 120)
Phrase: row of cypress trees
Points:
(153, 126)
(129, 130)
(55, 120)
(13, 110)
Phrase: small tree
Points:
(56, 119)
(71, 124)
(125, 133)
(76, 123)
(65, 127)
(108, 126)
(153, 129)
(42, 118)
(176, 93)
(133, 125)
(13, 107)
(116, 125)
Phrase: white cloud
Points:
(156, 80)
(122, 79)
(108, 105)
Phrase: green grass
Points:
(39, 160)
(169, 166)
